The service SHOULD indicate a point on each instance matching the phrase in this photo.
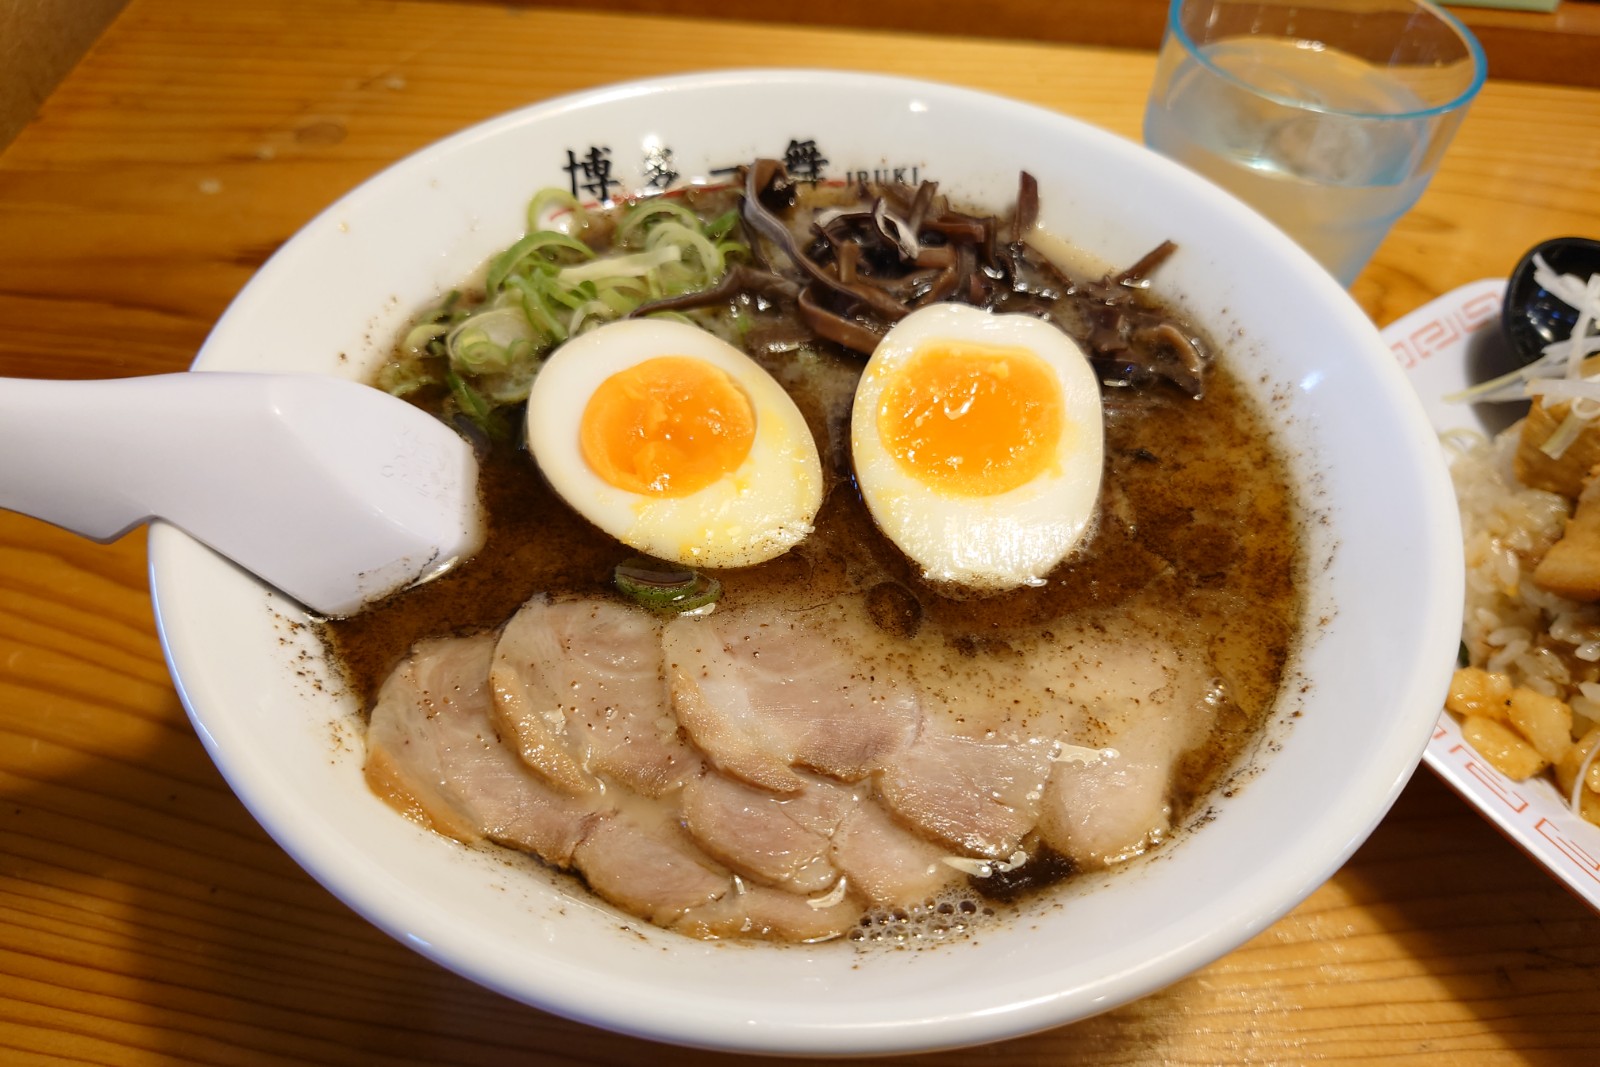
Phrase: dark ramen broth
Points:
(1197, 524)
(1196, 510)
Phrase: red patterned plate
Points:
(1435, 345)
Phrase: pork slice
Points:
(884, 862)
(977, 797)
(641, 860)
(756, 911)
(762, 692)
(579, 685)
(778, 840)
(434, 754)
(1103, 810)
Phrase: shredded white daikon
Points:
(1568, 288)
(1583, 391)
(1557, 360)
(1570, 429)
(1588, 307)
(1571, 348)
(1565, 388)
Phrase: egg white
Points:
(760, 510)
(1004, 540)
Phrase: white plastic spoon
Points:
(334, 492)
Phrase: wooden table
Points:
(145, 918)
(1555, 47)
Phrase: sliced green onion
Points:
(472, 405)
(552, 201)
(646, 215)
(592, 313)
(616, 300)
(664, 587)
(536, 305)
(723, 224)
(550, 285)
(483, 343)
(405, 376)
(417, 340)
(634, 287)
(512, 386)
(672, 316)
(444, 311)
(572, 299)
(634, 265)
(689, 239)
(507, 262)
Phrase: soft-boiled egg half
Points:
(675, 443)
(977, 441)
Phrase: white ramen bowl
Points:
(1364, 691)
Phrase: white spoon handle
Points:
(100, 457)
(330, 490)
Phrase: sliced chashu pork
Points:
(977, 797)
(805, 842)
(1150, 703)
(885, 863)
(579, 685)
(433, 752)
(641, 861)
(778, 840)
(1107, 807)
(762, 692)
(756, 911)
(646, 864)
(767, 695)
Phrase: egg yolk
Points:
(972, 419)
(667, 427)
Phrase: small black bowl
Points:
(1533, 317)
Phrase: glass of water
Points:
(1327, 116)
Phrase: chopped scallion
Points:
(663, 587)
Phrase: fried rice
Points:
(1511, 626)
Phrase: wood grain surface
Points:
(146, 918)
(1556, 46)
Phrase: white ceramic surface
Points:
(1435, 344)
(1363, 695)
(333, 492)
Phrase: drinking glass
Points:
(1327, 116)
